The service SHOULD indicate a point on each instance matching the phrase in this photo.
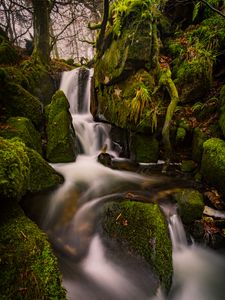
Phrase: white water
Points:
(88, 271)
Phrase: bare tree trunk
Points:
(99, 43)
(41, 19)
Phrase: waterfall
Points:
(89, 269)
(92, 136)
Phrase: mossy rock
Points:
(199, 137)
(213, 163)
(42, 175)
(128, 52)
(60, 134)
(144, 148)
(190, 203)
(194, 79)
(40, 81)
(122, 104)
(24, 129)
(142, 230)
(28, 268)
(14, 169)
(18, 102)
(8, 54)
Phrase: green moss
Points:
(28, 268)
(22, 128)
(190, 203)
(213, 163)
(144, 148)
(18, 102)
(60, 134)
(194, 78)
(42, 175)
(129, 104)
(141, 228)
(14, 169)
(8, 55)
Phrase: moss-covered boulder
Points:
(142, 230)
(60, 133)
(18, 102)
(144, 148)
(213, 163)
(42, 175)
(23, 169)
(14, 169)
(28, 268)
(199, 137)
(190, 204)
(24, 129)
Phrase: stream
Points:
(69, 215)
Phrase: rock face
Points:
(28, 268)
(59, 129)
(142, 230)
(213, 163)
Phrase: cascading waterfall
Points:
(88, 272)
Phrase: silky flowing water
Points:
(90, 270)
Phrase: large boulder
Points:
(60, 133)
(213, 163)
(14, 169)
(141, 229)
(23, 169)
(42, 175)
(28, 268)
(24, 129)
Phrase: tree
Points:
(41, 21)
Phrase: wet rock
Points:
(105, 159)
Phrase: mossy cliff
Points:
(142, 40)
(60, 133)
(142, 230)
(28, 268)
